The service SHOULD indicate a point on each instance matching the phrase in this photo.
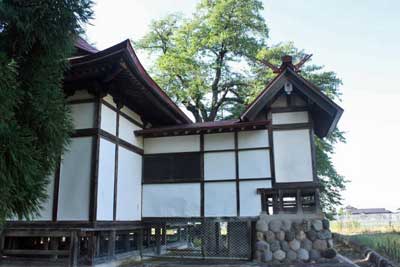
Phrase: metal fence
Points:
(206, 238)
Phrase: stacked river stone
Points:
(293, 240)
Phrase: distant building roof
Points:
(369, 211)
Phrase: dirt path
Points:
(226, 263)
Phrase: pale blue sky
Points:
(359, 40)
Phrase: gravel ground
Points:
(225, 263)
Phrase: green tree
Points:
(36, 38)
(210, 63)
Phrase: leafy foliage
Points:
(210, 63)
(36, 38)
(197, 58)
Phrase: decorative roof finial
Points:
(287, 62)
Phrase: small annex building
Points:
(141, 179)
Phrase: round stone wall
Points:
(287, 239)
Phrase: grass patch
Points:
(356, 227)
(387, 244)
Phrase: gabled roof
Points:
(118, 71)
(325, 113)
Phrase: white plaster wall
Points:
(74, 190)
(171, 200)
(46, 210)
(109, 99)
(105, 189)
(172, 144)
(254, 164)
(220, 199)
(80, 95)
(108, 120)
(280, 102)
(219, 165)
(127, 111)
(292, 156)
(83, 115)
(126, 132)
(253, 139)
(250, 201)
(290, 117)
(129, 196)
(219, 141)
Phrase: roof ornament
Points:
(287, 63)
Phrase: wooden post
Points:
(2, 239)
(91, 247)
(253, 240)
(317, 201)
(54, 245)
(299, 203)
(126, 241)
(111, 244)
(74, 249)
(140, 242)
(164, 235)
(158, 240)
(217, 237)
(280, 204)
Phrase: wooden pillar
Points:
(111, 244)
(148, 237)
(299, 203)
(140, 242)
(74, 249)
(317, 201)
(280, 203)
(126, 242)
(54, 241)
(2, 241)
(158, 240)
(187, 237)
(164, 235)
(253, 239)
(91, 247)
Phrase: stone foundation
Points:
(293, 238)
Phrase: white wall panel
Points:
(219, 141)
(105, 189)
(80, 95)
(171, 200)
(126, 132)
(127, 111)
(220, 199)
(129, 196)
(108, 120)
(172, 144)
(83, 115)
(74, 190)
(250, 201)
(280, 102)
(252, 139)
(254, 164)
(292, 156)
(219, 165)
(290, 117)
(46, 211)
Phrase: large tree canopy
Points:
(36, 38)
(211, 64)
